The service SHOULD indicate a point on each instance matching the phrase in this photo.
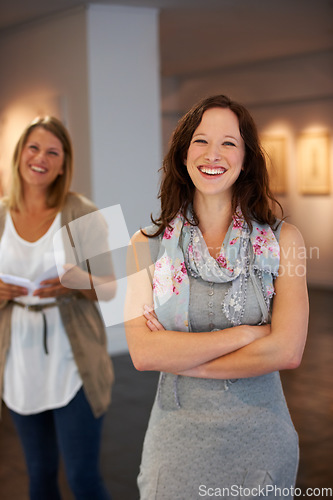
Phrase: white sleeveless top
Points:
(35, 381)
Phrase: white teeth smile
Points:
(38, 169)
(212, 171)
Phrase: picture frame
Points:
(274, 147)
(313, 165)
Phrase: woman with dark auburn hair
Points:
(251, 190)
(226, 310)
(55, 371)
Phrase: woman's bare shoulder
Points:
(290, 234)
(139, 237)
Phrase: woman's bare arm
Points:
(172, 351)
(75, 279)
(283, 348)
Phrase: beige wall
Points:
(44, 71)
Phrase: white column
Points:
(124, 100)
(124, 90)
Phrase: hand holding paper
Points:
(27, 284)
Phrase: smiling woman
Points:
(216, 153)
(49, 137)
(42, 154)
(54, 366)
(219, 319)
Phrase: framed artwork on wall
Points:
(313, 162)
(276, 159)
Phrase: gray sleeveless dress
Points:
(218, 438)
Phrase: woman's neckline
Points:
(38, 240)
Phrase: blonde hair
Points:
(60, 187)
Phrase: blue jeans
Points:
(75, 433)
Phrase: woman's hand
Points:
(152, 322)
(50, 289)
(254, 332)
(10, 292)
(258, 331)
(75, 278)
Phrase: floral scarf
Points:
(243, 254)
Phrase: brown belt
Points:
(38, 308)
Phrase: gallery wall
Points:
(312, 213)
(44, 70)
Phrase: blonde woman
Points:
(55, 371)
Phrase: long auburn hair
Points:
(59, 189)
(251, 190)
